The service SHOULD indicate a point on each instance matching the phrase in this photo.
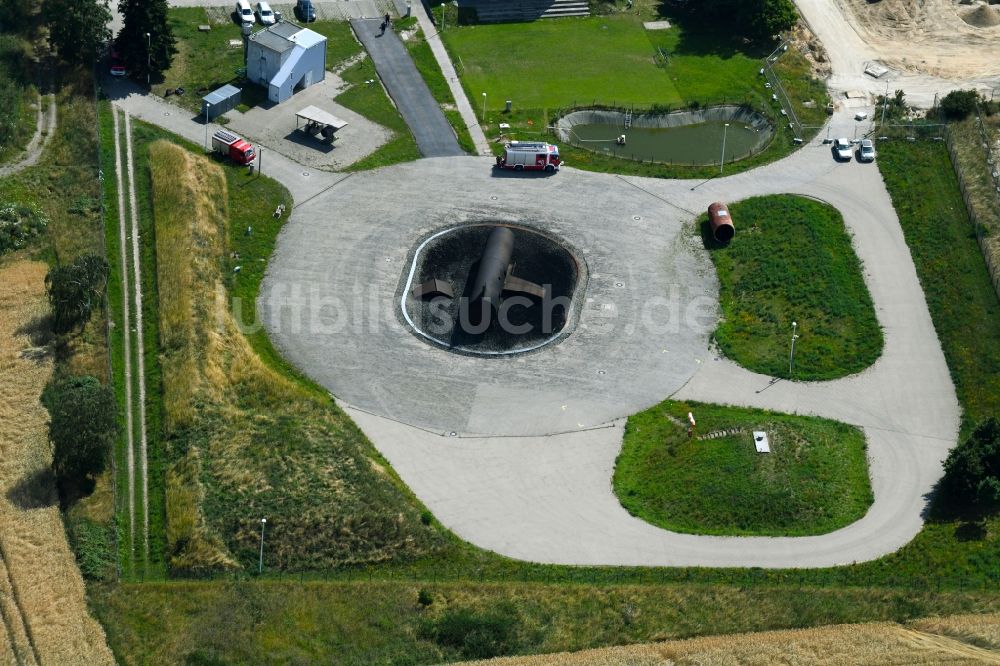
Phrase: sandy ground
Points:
(926, 45)
(931, 36)
(43, 605)
(840, 645)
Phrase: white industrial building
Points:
(284, 58)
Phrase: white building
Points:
(284, 58)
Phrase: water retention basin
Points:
(693, 137)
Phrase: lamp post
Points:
(260, 562)
(791, 354)
(722, 161)
(442, 15)
(149, 48)
(484, 107)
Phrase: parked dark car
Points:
(305, 11)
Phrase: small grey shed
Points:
(219, 101)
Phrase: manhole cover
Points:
(637, 218)
(305, 173)
(619, 284)
(493, 198)
(601, 372)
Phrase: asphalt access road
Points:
(435, 137)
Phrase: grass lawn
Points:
(700, 68)
(556, 63)
(205, 60)
(381, 622)
(792, 260)
(814, 481)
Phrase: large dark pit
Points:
(523, 321)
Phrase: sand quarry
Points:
(952, 39)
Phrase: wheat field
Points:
(42, 596)
(882, 643)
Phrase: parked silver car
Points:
(866, 153)
(842, 149)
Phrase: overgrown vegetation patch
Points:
(244, 441)
(792, 261)
(814, 480)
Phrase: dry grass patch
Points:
(244, 441)
(840, 645)
(981, 630)
(43, 601)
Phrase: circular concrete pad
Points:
(331, 297)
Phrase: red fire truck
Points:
(529, 156)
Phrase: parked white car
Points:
(861, 115)
(265, 14)
(244, 13)
(842, 149)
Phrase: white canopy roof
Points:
(321, 117)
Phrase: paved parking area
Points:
(273, 125)
(331, 301)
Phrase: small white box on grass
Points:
(760, 441)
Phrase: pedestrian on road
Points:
(387, 20)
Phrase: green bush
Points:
(972, 470)
(958, 104)
(19, 224)
(75, 290)
(477, 634)
(82, 428)
(93, 545)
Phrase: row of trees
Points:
(78, 30)
(82, 411)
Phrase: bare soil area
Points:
(944, 38)
(42, 598)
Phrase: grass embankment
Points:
(244, 441)
(43, 604)
(815, 479)
(556, 65)
(975, 173)
(792, 260)
(206, 61)
(371, 101)
(17, 97)
(915, 642)
(383, 623)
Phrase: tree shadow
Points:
(701, 37)
(41, 336)
(37, 490)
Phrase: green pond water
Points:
(700, 143)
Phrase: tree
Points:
(757, 19)
(766, 18)
(82, 427)
(972, 470)
(145, 38)
(78, 29)
(74, 290)
(958, 104)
